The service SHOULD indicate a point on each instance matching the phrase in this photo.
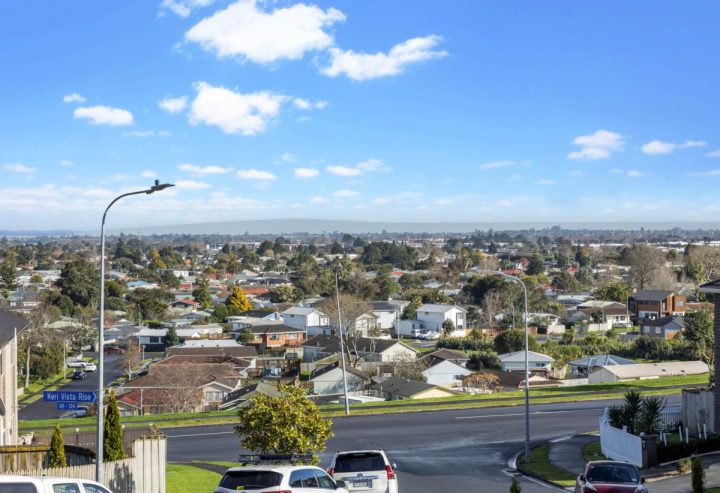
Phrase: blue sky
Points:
(396, 111)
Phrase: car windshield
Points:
(612, 473)
(245, 480)
(365, 461)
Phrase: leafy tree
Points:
(513, 340)
(650, 417)
(238, 300)
(113, 432)
(411, 281)
(410, 311)
(698, 475)
(56, 455)
(515, 485)
(201, 293)
(79, 280)
(287, 424)
(700, 335)
(246, 336)
(8, 275)
(171, 338)
(284, 294)
(616, 291)
(535, 266)
(448, 327)
(565, 282)
(385, 285)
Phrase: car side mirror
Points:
(340, 484)
(642, 480)
(581, 478)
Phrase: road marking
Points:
(533, 413)
(201, 434)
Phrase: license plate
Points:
(361, 484)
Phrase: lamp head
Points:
(159, 186)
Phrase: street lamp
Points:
(527, 365)
(157, 187)
(342, 346)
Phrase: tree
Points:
(238, 300)
(650, 417)
(35, 335)
(8, 275)
(700, 335)
(448, 327)
(131, 357)
(113, 433)
(515, 485)
(284, 294)
(646, 265)
(171, 338)
(56, 455)
(410, 311)
(616, 291)
(79, 281)
(351, 309)
(513, 340)
(409, 369)
(246, 336)
(482, 381)
(201, 293)
(566, 282)
(287, 424)
(698, 475)
(535, 266)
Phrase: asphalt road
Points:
(436, 452)
(47, 410)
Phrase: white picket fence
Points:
(619, 444)
(142, 473)
(671, 417)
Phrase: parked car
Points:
(79, 375)
(431, 336)
(80, 412)
(90, 367)
(610, 477)
(368, 471)
(112, 349)
(30, 484)
(416, 332)
(281, 474)
(76, 363)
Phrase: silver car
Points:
(366, 471)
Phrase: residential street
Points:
(435, 451)
(47, 410)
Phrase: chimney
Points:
(713, 289)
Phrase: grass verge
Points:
(189, 479)
(541, 467)
(591, 451)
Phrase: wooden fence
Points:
(144, 472)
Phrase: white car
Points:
(366, 471)
(278, 478)
(77, 363)
(431, 336)
(30, 484)
(90, 367)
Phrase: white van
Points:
(29, 484)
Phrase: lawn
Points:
(188, 479)
(591, 451)
(541, 467)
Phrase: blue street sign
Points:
(69, 396)
(66, 406)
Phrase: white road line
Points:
(201, 434)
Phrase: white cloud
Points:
(173, 105)
(254, 174)
(659, 147)
(183, 8)
(203, 170)
(616, 171)
(504, 164)
(305, 104)
(288, 157)
(318, 199)
(244, 32)
(104, 115)
(234, 112)
(191, 185)
(545, 182)
(67, 163)
(633, 173)
(365, 66)
(714, 153)
(599, 145)
(372, 165)
(73, 98)
(147, 133)
(20, 168)
(306, 172)
(344, 171)
(148, 173)
(341, 194)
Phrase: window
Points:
(92, 488)
(274, 337)
(240, 480)
(324, 480)
(17, 488)
(214, 396)
(657, 330)
(360, 462)
(303, 478)
(680, 303)
(291, 335)
(66, 488)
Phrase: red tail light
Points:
(331, 472)
(390, 472)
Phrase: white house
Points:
(387, 313)
(431, 317)
(301, 317)
(446, 373)
(329, 380)
(515, 362)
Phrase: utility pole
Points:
(342, 346)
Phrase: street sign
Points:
(69, 396)
(66, 406)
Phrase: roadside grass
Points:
(188, 479)
(34, 391)
(591, 451)
(541, 467)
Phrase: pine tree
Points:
(237, 299)
(113, 436)
(172, 339)
(515, 486)
(56, 457)
(698, 475)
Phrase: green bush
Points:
(683, 466)
(698, 475)
(674, 451)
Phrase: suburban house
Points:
(185, 305)
(303, 317)
(663, 327)
(216, 347)
(607, 313)
(651, 303)
(10, 326)
(329, 379)
(515, 362)
(368, 349)
(395, 389)
(581, 368)
(446, 373)
(431, 317)
(387, 313)
(641, 371)
(276, 335)
(511, 382)
(241, 397)
(444, 354)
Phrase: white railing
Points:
(619, 444)
(671, 417)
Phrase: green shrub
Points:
(675, 451)
(698, 475)
(683, 466)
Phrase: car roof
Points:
(280, 468)
(610, 462)
(367, 451)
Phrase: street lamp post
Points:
(527, 364)
(101, 330)
(342, 347)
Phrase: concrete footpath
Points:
(567, 454)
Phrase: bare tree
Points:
(482, 381)
(131, 357)
(706, 262)
(175, 388)
(37, 334)
(646, 264)
(410, 369)
(351, 310)
(491, 306)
